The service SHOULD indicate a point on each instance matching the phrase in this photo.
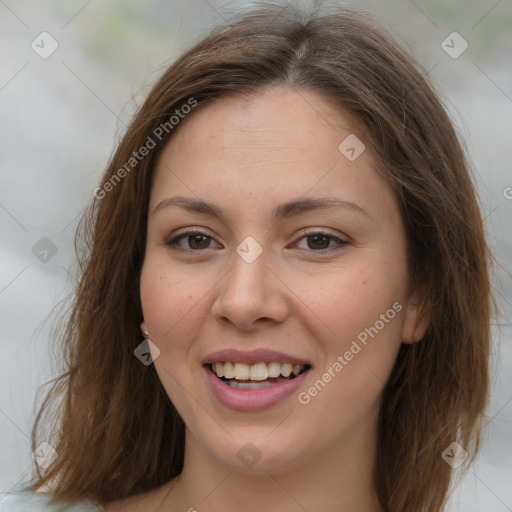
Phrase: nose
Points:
(251, 295)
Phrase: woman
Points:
(285, 301)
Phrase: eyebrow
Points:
(283, 211)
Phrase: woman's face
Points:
(270, 249)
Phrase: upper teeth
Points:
(259, 371)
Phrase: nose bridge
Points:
(250, 291)
(248, 278)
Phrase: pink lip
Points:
(252, 357)
(251, 399)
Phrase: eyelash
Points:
(174, 241)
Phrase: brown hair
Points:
(116, 431)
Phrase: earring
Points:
(146, 333)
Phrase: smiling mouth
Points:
(255, 376)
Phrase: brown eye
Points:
(198, 241)
(320, 242)
(193, 241)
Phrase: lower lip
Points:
(252, 399)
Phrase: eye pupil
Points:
(198, 239)
(319, 241)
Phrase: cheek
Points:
(168, 299)
(170, 305)
(363, 306)
(354, 297)
(359, 356)
(176, 304)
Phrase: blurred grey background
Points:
(72, 74)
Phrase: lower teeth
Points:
(233, 383)
(247, 385)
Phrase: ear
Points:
(144, 329)
(416, 322)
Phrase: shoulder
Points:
(28, 501)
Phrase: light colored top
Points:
(27, 501)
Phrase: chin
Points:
(259, 455)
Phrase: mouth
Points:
(255, 376)
(253, 380)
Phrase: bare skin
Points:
(248, 156)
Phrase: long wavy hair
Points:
(111, 422)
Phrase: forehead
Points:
(269, 116)
(261, 146)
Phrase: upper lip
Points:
(234, 355)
